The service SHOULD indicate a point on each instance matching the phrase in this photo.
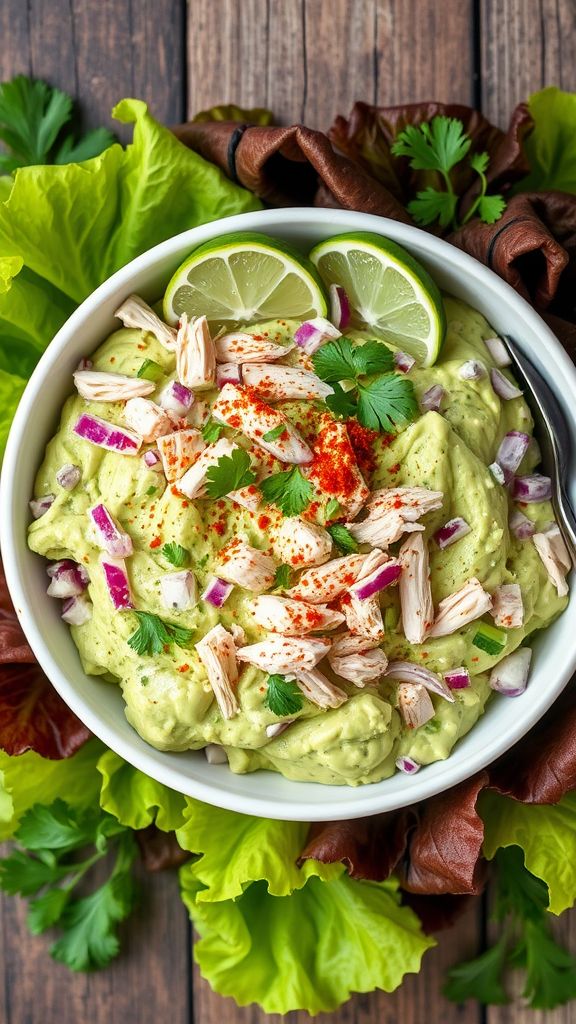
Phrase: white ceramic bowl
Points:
(100, 705)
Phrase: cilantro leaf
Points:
(282, 577)
(46, 910)
(386, 402)
(341, 403)
(342, 538)
(211, 431)
(24, 875)
(335, 361)
(289, 491)
(275, 433)
(229, 474)
(154, 634)
(283, 697)
(480, 978)
(333, 509)
(176, 554)
(479, 162)
(372, 357)
(550, 969)
(55, 827)
(491, 208)
(431, 205)
(437, 145)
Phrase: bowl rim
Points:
(356, 801)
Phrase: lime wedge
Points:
(389, 291)
(243, 278)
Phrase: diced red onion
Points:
(512, 450)
(532, 488)
(497, 472)
(404, 362)
(67, 579)
(452, 531)
(339, 307)
(39, 506)
(116, 578)
(407, 765)
(228, 373)
(377, 581)
(522, 527)
(498, 351)
(312, 334)
(277, 728)
(109, 536)
(215, 754)
(176, 398)
(179, 590)
(77, 610)
(472, 369)
(432, 398)
(503, 387)
(68, 476)
(107, 435)
(457, 678)
(85, 364)
(153, 460)
(66, 563)
(217, 592)
(510, 676)
(409, 672)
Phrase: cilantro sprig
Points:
(211, 431)
(380, 399)
(154, 634)
(289, 490)
(176, 554)
(525, 942)
(282, 577)
(439, 145)
(343, 539)
(59, 845)
(283, 696)
(229, 474)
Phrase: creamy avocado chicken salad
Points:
(294, 513)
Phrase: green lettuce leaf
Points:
(308, 951)
(135, 799)
(547, 835)
(11, 388)
(551, 147)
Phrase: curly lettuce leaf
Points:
(11, 388)
(136, 800)
(547, 835)
(309, 951)
(551, 146)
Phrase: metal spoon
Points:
(554, 438)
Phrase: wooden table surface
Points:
(308, 60)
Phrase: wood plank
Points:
(309, 60)
(149, 976)
(524, 46)
(419, 999)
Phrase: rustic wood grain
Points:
(524, 45)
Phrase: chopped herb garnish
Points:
(289, 491)
(154, 634)
(229, 474)
(211, 431)
(176, 554)
(144, 680)
(275, 433)
(150, 370)
(342, 403)
(151, 491)
(282, 577)
(386, 402)
(342, 360)
(342, 538)
(202, 562)
(283, 696)
(333, 509)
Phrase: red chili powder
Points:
(362, 440)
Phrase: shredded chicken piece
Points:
(319, 690)
(198, 414)
(362, 668)
(134, 312)
(238, 634)
(147, 419)
(179, 451)
(248, 413)
(193, 483)
(195, 356)
(349, 643)
(335, 469)
(285, 655)
(246, 566)
(301, 544)
(507, 606)
(97, 386)
(415, 704)
(277, 383)
(394, 511)
(550, 545)
(248, 497)
(364, 617)
(245, 348)
(410, 672)
(323, 584)
(414, 588)
(217, 652)
(293, 618)
(457, 610)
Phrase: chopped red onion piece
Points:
(68, 476)
(407, 765)
(77, 610)
(179, 590)
(54, 568)
(457, 678)
(339, 307)
(498, 351)
(215, 754)
(312, 334)
(217, 592)
(176, 398)
(497, 472)
(228, 373)
(432, 398)
(85, 364)
(532, 488)
(403, 361)
(510, 676)
(522, 527)
(67, 579)
(39, 506)
(117, 581)
(107, 435)
(503, 387)
(452, 531)
(109, 536)
(512, 450)
(472, 369)
(153, 460)
(277, 728)
(409, 672)
(377, 581)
